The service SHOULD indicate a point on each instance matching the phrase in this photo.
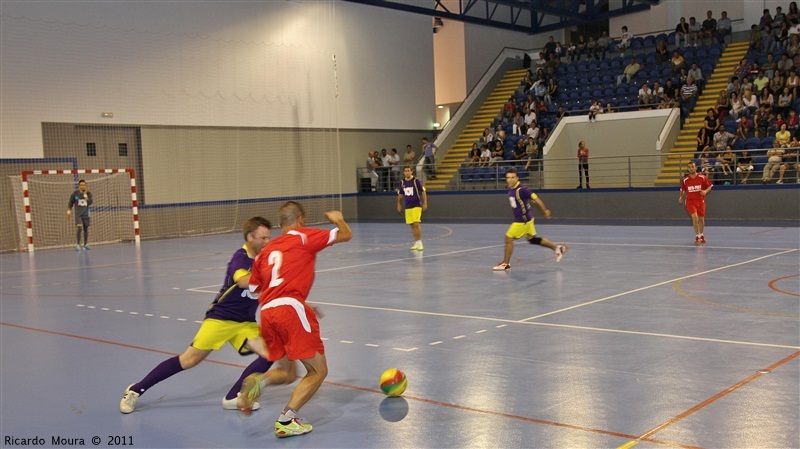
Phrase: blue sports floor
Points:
(636, 339)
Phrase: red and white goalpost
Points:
(45, 195)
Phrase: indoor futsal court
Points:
(636, 339)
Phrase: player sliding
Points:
(282, 276)
(520, 198)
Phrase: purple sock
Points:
(164, 370)
(259, 365)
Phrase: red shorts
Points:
(290, 328)
(696, 207)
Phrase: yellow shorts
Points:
(414, 215)
(214, 333)
(517, 230)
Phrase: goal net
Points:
(42, 197)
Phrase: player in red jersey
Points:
(694, 187)
(282, 277)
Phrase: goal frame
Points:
(27, 203)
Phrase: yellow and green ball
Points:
(393, 382)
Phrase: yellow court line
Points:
(629, 444)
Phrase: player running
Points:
(694, 187)
(520, 197)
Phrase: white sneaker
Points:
(502, 266)
(417, 246)
(128, 401)
(230, 404)
(560, 251)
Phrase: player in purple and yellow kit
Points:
(520, 197)
(231, 318)
(416, 202)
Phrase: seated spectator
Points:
(793, 13)
(776, 84)
(710, 120)
(681, 32)
(767, 40)
(725, 161)
(671, 90)
(770, 66)
(754, 38)
(609, 109)
(531, 152)
(552, 91)
(722, 139)
(500, 133)
(775, 124)
(750, 101)
(516, 125)
(519, 152)
(784, 102)
(658, 93)
(629, 72)
(785, 65)
(744, 166)
(497, 153)
(580, 48)
(706, 166)
(766, 99)
(645, 96)
(486, 156)
(761, 81)
(723, 27)
(594, 109)
(474, 156)
(677, 62)
(793, 82)
(779, 17)
(624, 41)
(488, 136)
(688, 97)
(745, 128)
(696, 73)
(737, 108)
(662, 52)
(695, 31)
(774, 161)
(602, 46)
(781, 36)
(742, 69)
(783, 137)
(793, 123)
(762, 121)
(734, 86)
(530, 116)
(550, 47)
(791, 161)
(723, 105)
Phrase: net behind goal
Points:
(41, 200)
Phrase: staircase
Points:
(447, 167)
(686, 145)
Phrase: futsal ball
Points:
(393, 382)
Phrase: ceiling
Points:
(524, 16)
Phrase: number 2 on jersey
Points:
(275, 259)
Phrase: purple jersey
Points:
(520, 197)
(234, 303)
(410, 189)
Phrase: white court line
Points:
(647, 287)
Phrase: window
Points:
(91, 149)
(123, 149)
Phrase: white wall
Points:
(223, 63)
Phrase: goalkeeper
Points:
(81, 199)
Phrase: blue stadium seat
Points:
(649, 41)
(767, 142)
(715, 51)
(753, 143)
(467, 174)
(670, 38)
(637, 43)
(604, 65)
(731, 127)
(738, 145)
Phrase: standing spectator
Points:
(602, 46)
(429, 153)
(373, 165)
(550, 48)
(416, 202)
(229, 319)
(583, 164)
(520, 198)
(754, 37)
(778, 18)
(709, 27)
(394, 162)
(695, 31)
(629, 72)
(744, 164)
(591, 48)
(289, 326)
(723, 27)
(682, 32)
(408, 158)
(624, 41)
(385, 170)
(694, 189)
(81, 199)
(793, 12)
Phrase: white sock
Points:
(418, 242)
(287, 415)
